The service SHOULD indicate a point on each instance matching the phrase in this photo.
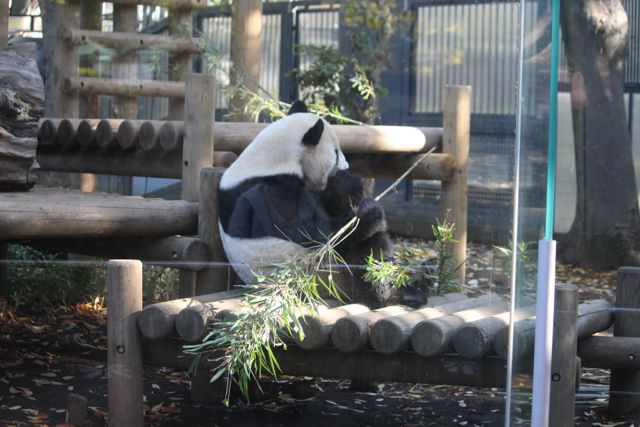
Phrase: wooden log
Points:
(180, 24)
(76, 410)
(148, 136)
(171, 135)
(317, 329)
(192, 322)
(124, 349)
(64, 61)
(212, 278)
(127, 163)
(245, 52)
(158, 320)
(235, 136)
(174, 251)
(436, 166)
(604, 352)
(197, 151)
(350, 334)
(563, 360)
(107, 134)
(364, 365)
(391, 334)
(125, 65)
(127, 137)
(86, 133)
(36, 215)
(456, 134)
(431, 337)
(624, 388)
(48, 132)
(116, 87)
(593, 316)
(475, 339)
(133, 41)
(89, 61)
(67, 134)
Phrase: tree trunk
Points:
(21, 106)
(605, 228)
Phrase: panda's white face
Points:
(321, 161)
(300, 144)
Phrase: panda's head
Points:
(301, 144)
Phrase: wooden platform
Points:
(48, 214)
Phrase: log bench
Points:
(465, 344)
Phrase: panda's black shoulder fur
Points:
(227, 197)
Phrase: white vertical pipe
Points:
(544, 332)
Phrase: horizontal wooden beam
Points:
(53, 215)
(436, 166)
(121, 87)
(157, 164)
(182, 252)
(235, 136)
(131, 41)
(449, 369)
(610, 352)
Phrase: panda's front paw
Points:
(370, 210)
(371, 219)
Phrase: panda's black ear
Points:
(298, 107)
(313, 135)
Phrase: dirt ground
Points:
(44, 359)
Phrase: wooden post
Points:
(456, 133)
(246, 47)
(4, 273)
(90, 16)
(64, 60)
(180, 25)
(4, 23)
(563, 361)
(76, 410)
(197, 150)
(124, 353)
(212, 278)
(125, 20)
(624, 389)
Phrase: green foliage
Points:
(406, 270)
(443, 233)
(381, 271)
(348, 82)
(159, 283)
(527, 263)
(42, 282)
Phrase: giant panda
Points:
(290, 189)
